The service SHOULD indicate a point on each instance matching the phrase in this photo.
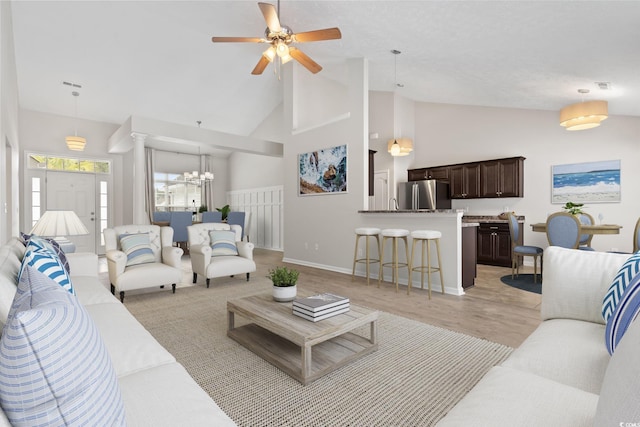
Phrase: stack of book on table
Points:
(318, 307)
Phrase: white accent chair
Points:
(218, 266)
(166, 269)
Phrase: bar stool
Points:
(425, 237)
(366, 232)
(395, 264)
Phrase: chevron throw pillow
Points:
(42, 257)
(620, 282)
(624, 314)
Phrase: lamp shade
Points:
(400, 146)
(76, 143)
(59, 223)
(583, 115)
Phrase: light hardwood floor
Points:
(490, 310)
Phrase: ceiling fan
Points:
(280, 38)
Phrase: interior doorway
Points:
(76, 192)
(380, 190)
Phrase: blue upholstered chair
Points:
(518, 251)
(585, 238)
(161, 216)
(179, 222)
(564, 230)
(212, 216)
(236, 218)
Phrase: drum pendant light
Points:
(75, 142)
(584, 115)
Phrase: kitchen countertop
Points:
(488, 218)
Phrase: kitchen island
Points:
(453, 249)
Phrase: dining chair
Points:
(238, 219)
(212, 216)
(518, 251)
(585, 238)
(564, 230)
(179, 222)
(636, 237)
(161, 216)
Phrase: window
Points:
(104, 209)
(172, 193)
(68, 164)
(36, 201)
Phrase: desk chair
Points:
(585, 238)
(161, 216)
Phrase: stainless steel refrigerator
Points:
(427, 194)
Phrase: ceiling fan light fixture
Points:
(285, 59)
(282, 49)
(270, 53)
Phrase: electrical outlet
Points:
(317, 246)
(614, 249)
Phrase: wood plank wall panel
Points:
(265, 206)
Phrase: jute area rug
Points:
(416, 376)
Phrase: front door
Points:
(76, 192)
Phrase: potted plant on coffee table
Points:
(284, 283)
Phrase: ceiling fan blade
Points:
(237, 39)
(271, 17)
(318, 35)
(260, 66)
(303, 59)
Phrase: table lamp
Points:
(58, 225)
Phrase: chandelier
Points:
(198, 178)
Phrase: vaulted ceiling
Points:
(156, 59)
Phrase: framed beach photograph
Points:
(323, 171)
(592, 182)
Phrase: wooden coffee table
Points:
(303, 349)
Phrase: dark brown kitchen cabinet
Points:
(464, 181)
(439, 173)
(371, 171)
(502, 178)
(494, 244)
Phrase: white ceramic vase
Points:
(284, 293)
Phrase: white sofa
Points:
(562, 374)
(156, 390)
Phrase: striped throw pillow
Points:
(223, 242)
(620, 282)
(54, 367)
(624, 314)
(42, 257)
(137, 247)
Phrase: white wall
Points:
(446, 134)
(247, 171)
(327, 221)
(9, 143)
(45, 134)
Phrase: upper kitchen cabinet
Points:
(464, 181)
(502, 178)
(438, 173)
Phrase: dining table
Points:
(586, 229)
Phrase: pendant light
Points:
(398, 146)
(584, 115)
(196, 177)
(75, 142)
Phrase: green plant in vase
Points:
(224, 211)
(284, 283)
(573, 208)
